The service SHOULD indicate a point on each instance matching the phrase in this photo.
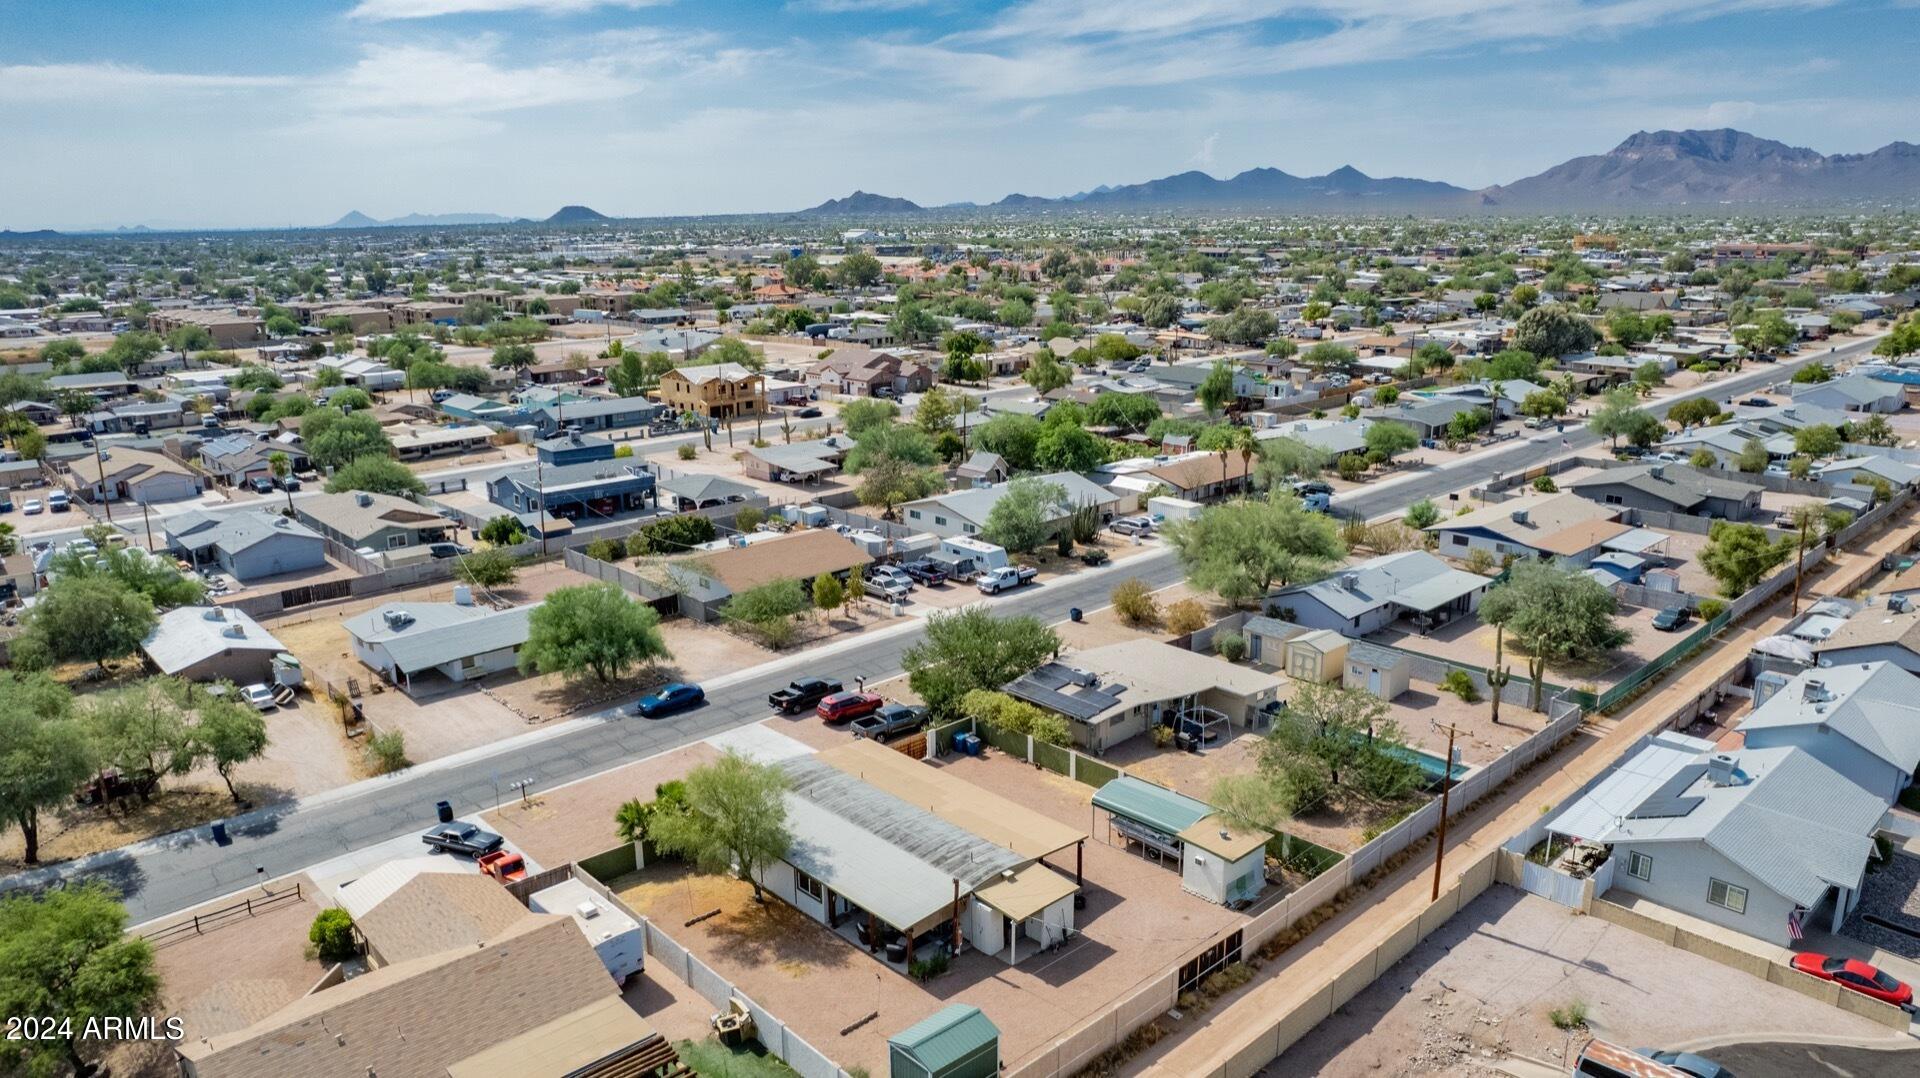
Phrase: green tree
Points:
(629, 377)
(1013, 437)
(1422, 514)
(333, 439)
(1215, 391)
(594, 629)
(1817, 440)
(503, 530)
(971, 649)
(65, 953)
(1240, 549)
(141, 730)
(1328, 356)
(890, 441)
(1628, 327)
(1245, 326)
(331, 934)
(490, 567)
(890, 481)
(43, 753)
(770, 609)
(1283, 459)
(281, 467)
(86, 619)
(1067, 447)
(859, 270)
(868, 412)
(228, 733)
(1739, 556)
(913, 323)
(1025, 515)
(1046, 373)
(1347, 735)
(515, 357)
(1812, 374)
(1873, 430)
(1754, 457)
(1620, 416)
(735, 819)
(1694, 411)
(827, 592)
(1556, 615)
(1390, 439)
(1543, 404)
(1553, 329)
(376, 474)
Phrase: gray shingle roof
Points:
(1414, 579)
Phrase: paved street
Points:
(1775, 1060)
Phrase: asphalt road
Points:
(186, 869)
(1779, 1060)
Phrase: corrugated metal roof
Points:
(185, 636)
(952, 852)
(946, 1037)
(441, 632)
(1157, 807)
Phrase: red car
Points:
(842, 706)
(1857, 975)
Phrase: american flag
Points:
(1793, 923)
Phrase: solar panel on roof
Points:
(1667, 803)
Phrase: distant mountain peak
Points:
(576, 215)
(355, 219)
(863, 202)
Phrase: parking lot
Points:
(1482, 988)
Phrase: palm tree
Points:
(281, 467)
(630, 823)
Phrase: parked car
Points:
(802, 694)
(1132, 526)
(1851, 973)
(843, 706)
(57, 501)
(260, 697)
(6, 503)
(441, 395)
(890, 722)
(32, 507)
(1005, 578)
(882, 574)
(669, 698)
(925, 571)
(287, 482)
(448, 550)
(1757, 402)
(594, 380)
(807, 413)
(504, 865)
(1312, 486)
(458, 837)
(260, 484)
(1687, 1063)
(1672, 619)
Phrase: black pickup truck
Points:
(894, 720)
(802, 694)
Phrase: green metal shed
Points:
(954, 1042)
(1155, 806)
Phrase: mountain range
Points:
(356, 219)
(1650, 170)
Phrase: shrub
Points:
(1230, 646)
(1163, 736)
(332, 935)
(1712, 608)
(926, 969)
(688, 452)
(1479, 561)
(606, 550)
(1460, 683)
(1570, 1017)
(1186, 616)
(1134, 602)
(1351, 466)
(622, 451)
(387, 752)
(749, 517)
(1545, 485)
(1422, 514)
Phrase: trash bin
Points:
(220, 834)
(1073, 613)
(445, 810)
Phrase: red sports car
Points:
(1857, 975)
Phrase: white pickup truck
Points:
(1005, 578)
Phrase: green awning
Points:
(1155, 806)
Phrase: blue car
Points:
(668, 699)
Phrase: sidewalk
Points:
(1217, 1046)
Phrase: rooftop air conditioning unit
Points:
(587, 911)
(1721, 770)
(215, 613)
(398, 619)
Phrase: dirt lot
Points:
(725, 461)
(1470, 642)
(576, 821)
(1480, 989)
(1136, 924)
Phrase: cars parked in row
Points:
(889, 722)
(847, 706)
(802, 694)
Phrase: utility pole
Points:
(1446, 786)
(1800, 558)
(100, 462)
(147, 519)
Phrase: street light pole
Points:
(100, 462)
(1446, 786)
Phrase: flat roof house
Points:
(247, 545)
(1671, 488)
(424, 441)
(964, 512)
(595, 490)
(1563, 527)
(600, 413)
(903, 857)
(1112, 693)
(1762, 841)
(378, 522)
(801, 462)
(1874, 635)
(1861, 719)
(1377, 592)
(458, 640)
(211, 643)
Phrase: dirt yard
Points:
(576, 821)
(1480, 989)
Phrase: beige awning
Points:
(1025, 892)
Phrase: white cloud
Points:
(402, 79)
(76, 83)
(840, 7)
(388, 10)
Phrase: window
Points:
(968, 528)
(1614, 499)
(807, 885)
(940, 520)
(913, 514)
(1640, 866)
(395, 542)
(1727, 896)
(1459, 540)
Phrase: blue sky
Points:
(257, 113)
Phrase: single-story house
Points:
(136, 475)
(1766, 842)
(1562, 526)
(1874, 635)
(608, 413)
(707, 580)
(459, 640)
(900, 856)
(801, 462)
(233, 459)
(138, 417)
(379, 522)
(1862, 719)
(964, 512)
(1672, 488)
(1858, 470)
(248, 545)
(1429, 417)
(1218, 861)
(1375, 593)
(103, 386)
(594, 490)
(1112, 693)
(983, 469)
(1853, 393)
(211, 643)
(369, 374)
(424, 441)
(697, 491)
(478, 409)
(1199, 477)
(1334, 437)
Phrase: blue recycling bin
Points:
(1073, 613)
(968, 744)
